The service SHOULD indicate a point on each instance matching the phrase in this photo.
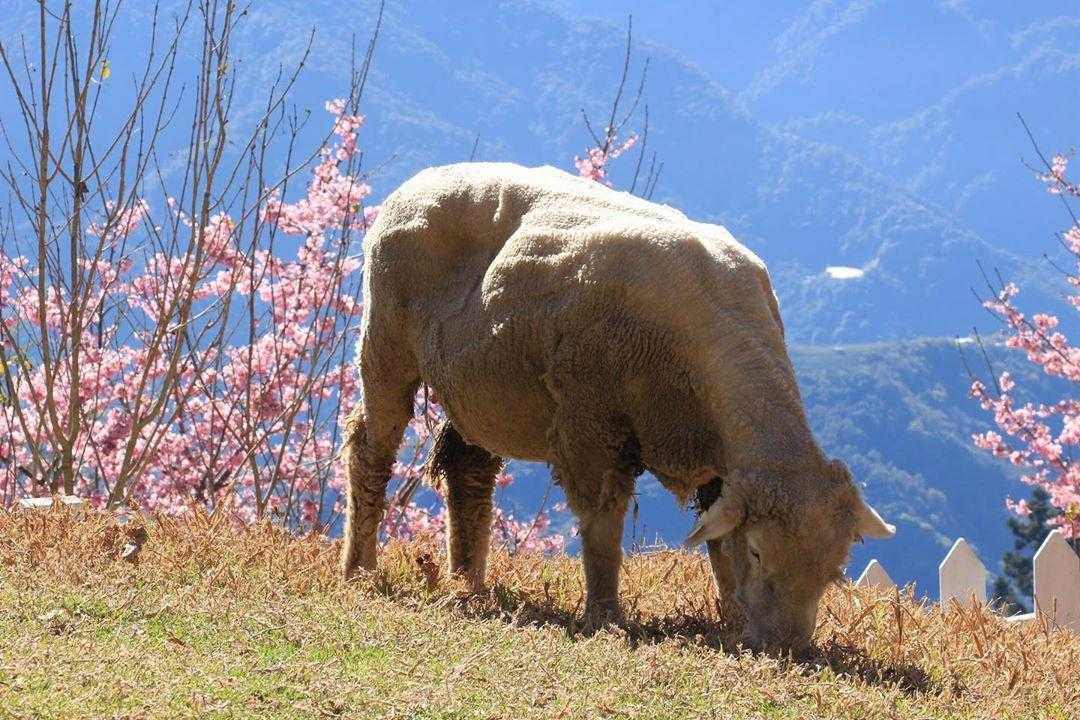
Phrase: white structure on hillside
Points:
(1057, 581)
(44, 503)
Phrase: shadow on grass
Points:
(720, 632)
(852, 663)
(524, 610)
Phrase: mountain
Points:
(927, 93)
(516, 74)
(801, 203)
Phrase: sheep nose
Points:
(776, 642)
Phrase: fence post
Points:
(875, 576)
(961, 575)
(1057, 581)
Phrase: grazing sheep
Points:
(564, 322)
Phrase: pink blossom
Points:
(1056, 183)
(1042, 438)
(594, 165)
(119, 221)
(251, 425)
(334, 198)
(1019, 507)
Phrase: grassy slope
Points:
(210, 621)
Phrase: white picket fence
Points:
(962, 578)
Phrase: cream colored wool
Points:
(562, 321)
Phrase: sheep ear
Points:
(722, 517)
(869, 524)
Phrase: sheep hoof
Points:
(600, 616)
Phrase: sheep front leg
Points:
(599, 499)
(595, 456)
(601, 549)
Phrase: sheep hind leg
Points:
(467, 474)
(373, 433)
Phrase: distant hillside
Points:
(517, 75)
(899, 415)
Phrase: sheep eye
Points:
(754, 553)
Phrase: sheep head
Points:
(787, 540)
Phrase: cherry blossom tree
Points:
(171, 341)
(184, 352)
(1040, 437)
(607, 145)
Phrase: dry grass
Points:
(209, 620)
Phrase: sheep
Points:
(562, 321)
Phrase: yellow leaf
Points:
(106, 69)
